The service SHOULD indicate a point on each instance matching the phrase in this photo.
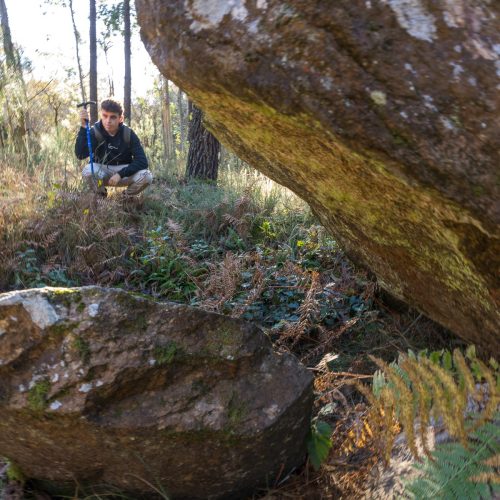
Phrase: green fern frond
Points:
(440, 386)
(456, 472)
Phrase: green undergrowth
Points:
(244, 247)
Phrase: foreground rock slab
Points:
(98, 386)
(383, 115)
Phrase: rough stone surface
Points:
(383, 114)
(98, 386)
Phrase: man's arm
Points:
(81, 145)
(139, 160)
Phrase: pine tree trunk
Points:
(127, 92)
(77, 45)
(203, 155)
(182, 122)
(93, 62)
(168, 142)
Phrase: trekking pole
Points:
(89, 140)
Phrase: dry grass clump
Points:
(18, 202)
(60, 236)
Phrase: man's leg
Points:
(97, 182)
(136, 183)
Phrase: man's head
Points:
(111, 115)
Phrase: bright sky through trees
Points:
(45, 35)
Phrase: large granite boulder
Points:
(98, 386)
(382, 114)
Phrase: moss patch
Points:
(63, 328)
(223, 340)
(66, 296)
(398, 227)
(236, 411)
(37, 395)
(164, 355)
(139, 295)
(83, 348)
(14, 472)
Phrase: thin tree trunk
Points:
(203, 155)
(8, 47)
(168, 142)
(127, 92)
(182, 122)
(93, 62)
(111, 82)
(77, 45)
(173, 137)
(154, 137)
(18, 118)
(223, 156)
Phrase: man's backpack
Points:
(100, 139)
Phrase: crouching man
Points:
(119, 158)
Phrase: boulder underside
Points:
(383, 116)
(99, 387)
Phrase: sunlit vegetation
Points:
(241, 246)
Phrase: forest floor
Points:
(246, 248)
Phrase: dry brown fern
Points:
(240, 224)
(258, 285)
(418, 391)
(221, 283)
(308, 312)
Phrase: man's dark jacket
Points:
(113, 150)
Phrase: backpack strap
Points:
(126, 134)
(98, 135)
